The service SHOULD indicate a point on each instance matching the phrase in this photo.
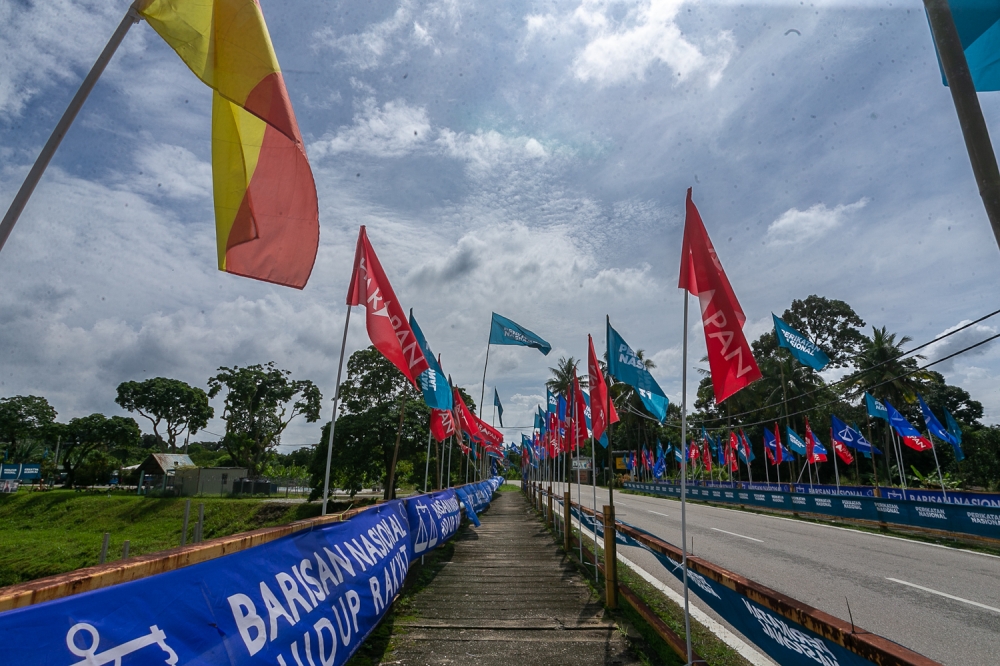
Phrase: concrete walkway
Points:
(508, 596)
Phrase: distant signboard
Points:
(582, 463)
(23, 472)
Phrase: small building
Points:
(165, 464)
(207, 480)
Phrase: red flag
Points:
(777, 444)
(465, 417)
(770, 456)
(916, 443)
(579, 411)
(729, 357)
(598, 395)
(388, 326)
(811, 454)
(841, 450)
(442, 424)
(490, 436)
(706, 457)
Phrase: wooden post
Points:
(549, 518)
(567, 515)
(610, 559)
(104, 548)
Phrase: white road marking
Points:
(738, 535)
(945, 595)
(746, 650)
(665, 515)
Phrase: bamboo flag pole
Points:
(62, 127)
(333, 420)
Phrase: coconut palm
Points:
(562, 376)
(882, 372)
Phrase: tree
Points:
(371, 399)
(832, 325)
(261, 400)
(96, 436)
(25, 421)
(175, 404)
(882, 372)
(562, 376)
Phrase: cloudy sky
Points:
(529, 158)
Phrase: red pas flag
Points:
(706, 457)
(598, 395)
(442, 424)
(729, 357)
(841, 450)
(777, 444)
(388, 326)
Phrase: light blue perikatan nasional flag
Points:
(552, 401)
(433, 383)
(625, 366)
(802, 348)
(496, 403)
(795, 443)
(876, 408)
(503, 331)
(953, 427)
(978, 24)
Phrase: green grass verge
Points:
(47, 533)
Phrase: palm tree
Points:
(562, 376)
(881, 371)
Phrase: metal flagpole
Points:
(833, 445)
(427, 465)
(333, 420)
(450, 447)
(62, 127)
(482, 395)
(593, 480)
(940, 478)
(684, 357)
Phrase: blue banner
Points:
(802, 348)
(433, 383)
(22, 471)
(503, 331)
(626, 366)
(433, 519)
(308, 598)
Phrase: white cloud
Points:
(490, 148)
(392, 130)
(367, 48)
(957, 342)
(43, 42)
(172, 171)
(803, 226)
(624, 40)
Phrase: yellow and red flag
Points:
(266, 212)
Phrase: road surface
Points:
(941, 602)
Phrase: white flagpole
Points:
(833, 445)
(333, 421)
(62, 127)
(940, 478)
(427, 465)
(684, 357)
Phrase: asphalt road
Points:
(955, 620)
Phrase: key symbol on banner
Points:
(114, 655)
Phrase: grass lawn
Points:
(46, 533)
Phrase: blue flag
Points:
(505, 332)
(678, 456)
(496, 403)
(978, 25)
(625, 366)
(875, 408)
(770, 442)
(953, 427)
(934, 426)
(433, 383)
(552, 401)
(899, 422)
(795, 442)
(540, 420)
(561, 409)
(801, 347)
(851, 437)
